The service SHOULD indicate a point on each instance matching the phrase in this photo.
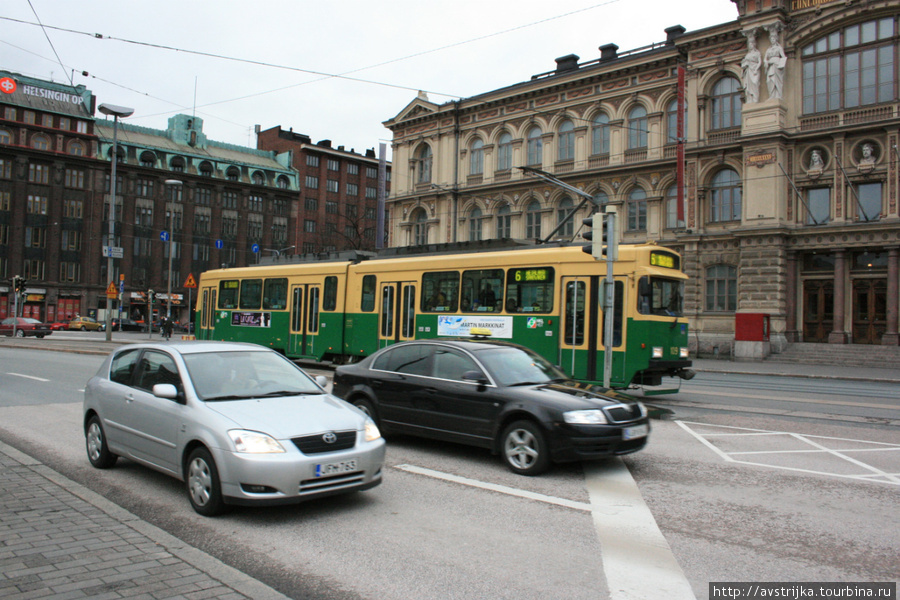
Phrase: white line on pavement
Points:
(637, 560)
(28, 377)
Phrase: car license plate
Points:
(335, 468)
(631, 433)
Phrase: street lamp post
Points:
(171, 182)
(116, 112)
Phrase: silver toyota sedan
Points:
(238, 423)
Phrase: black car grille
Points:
(622, 413)
(316, 444)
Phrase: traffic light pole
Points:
(610, 298)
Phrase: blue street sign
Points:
(219, 244)
(164, 236)
(122, 287)
(254, 248)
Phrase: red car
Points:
(59, 326)
(24, 327)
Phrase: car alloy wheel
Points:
(204, 488)
(524, 448)
(97, 450)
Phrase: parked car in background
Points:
(126, 325)
(238, 423)
(85, 324)
(59, 325)
(25, 327)
(496, 395)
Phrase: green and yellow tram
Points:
(546, 297)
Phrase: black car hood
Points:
(572, 395)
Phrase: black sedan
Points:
(127, 325)
(495, 395)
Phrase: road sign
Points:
(190, 282)
(164, 236)
(111, 291)
(219, 244)
(113, 252)
(254, 248)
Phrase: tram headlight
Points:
(683, 353)
(657, 352)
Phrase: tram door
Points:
(396, 312)
(305, 299)
(581, 335)
(207, 314)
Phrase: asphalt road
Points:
(735, 494)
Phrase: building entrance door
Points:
(818, 310)
(869, 310)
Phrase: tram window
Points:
(660, 296)
(368, 294)
(618, 304)
(530, 290)
(482, 290)
(573, 324)
(313, 321)
(228, 293)
(251, 293)
(275, 296)
(440, 291)
(329, 297)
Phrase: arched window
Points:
(148, 159)
(259, 178)
(177, 164)
(206, 169)
(637, 127)
(5, 137)
(672, 122)
(420, 228)
(565, 207)
(504, 222)
(600, 134)
(424, 164)
(475, 225)
(672, 221)
(533, 220)
(121, 154)
(535, 146)
(233, 174)
(566, 141)
(725, 197)
(600, 198)
(726, 104)
(76, 148)
(282, 182)
(40, 142)
(721, 288)
(476, 157)
(504, 152)
(637, 210)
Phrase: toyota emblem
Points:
(329, 438)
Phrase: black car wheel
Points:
(366, 406)
(525, 449)
(83, 328)
(203, 486)
(97, 450)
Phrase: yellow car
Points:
(85, 324)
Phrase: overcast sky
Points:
(283, 56)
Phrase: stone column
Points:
(791, 333)
(891, 336)
(839, 335)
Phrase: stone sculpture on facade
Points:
(775, 62)
(750, 67)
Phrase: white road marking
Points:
(874, 473)
(637, 560)
(494, 487)
(28, 377)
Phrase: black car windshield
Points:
(246, 374)
(515, 366)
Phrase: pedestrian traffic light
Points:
(20, 284)
(594, 235)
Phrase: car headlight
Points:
(372, 432)
(585, 417)
(683, 353)
(643, 409)
(253, 442)
(657, 352)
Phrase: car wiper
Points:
(288, 393)
(518, 383)
(232, 397)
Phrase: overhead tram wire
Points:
(49, 41)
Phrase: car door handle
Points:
(129, 398)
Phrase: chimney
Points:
(609, 52)
(673, 33)
(566, 63)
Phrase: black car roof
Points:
(470, 344)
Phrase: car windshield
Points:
(515, 366)
(246, 374)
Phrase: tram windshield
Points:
(661, 296)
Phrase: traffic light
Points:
(20, 287)
(594, 235)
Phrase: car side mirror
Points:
(322, 381)
(476, 376)
(165, 390)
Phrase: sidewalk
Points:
(773, 367)
(60, 540)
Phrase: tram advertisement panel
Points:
(460, 325)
